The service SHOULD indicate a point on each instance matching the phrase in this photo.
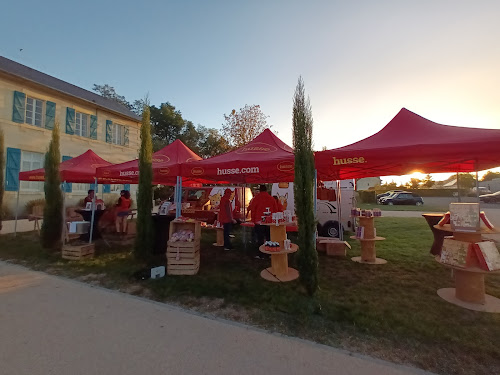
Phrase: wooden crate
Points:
(78, 252)
(194, 226)
(183, 258)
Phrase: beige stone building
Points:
(31, 102)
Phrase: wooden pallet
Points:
(78, 252)
(183, 258)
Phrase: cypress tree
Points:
(144, 238)
(52, 212)
(307, 257)
(2, 163)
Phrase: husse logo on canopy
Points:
(164, 171)
(160, 159)
(196, 171)
(256, 148)
(357, 160)
(285, 166)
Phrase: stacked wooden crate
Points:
(78, 252)
(183, 257)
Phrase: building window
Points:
(81, 124)
(118, 135)
(30, 161)
(34, 112)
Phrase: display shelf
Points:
(183, 257)
(469, 291)
(368, 252)
(293, 249)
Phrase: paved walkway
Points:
(51, 325)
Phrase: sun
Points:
(417, 175)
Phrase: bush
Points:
(366, 196)
(6, 213)
(28, 207)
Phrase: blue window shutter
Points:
(95, 187)
(125, 136)
(93, 127)
(109, 131)
(50, 115)
(70, 121)
(19, 106)
(12, 169)
(106, 188)
(126, 187)
(68, 187)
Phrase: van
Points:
(326, 205)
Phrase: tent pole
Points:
(315, 198)
(64, 224)
(477, 186)
(339, 210)
(17, 208)
(93, 214)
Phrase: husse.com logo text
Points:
(358, 160)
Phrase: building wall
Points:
(34, 139)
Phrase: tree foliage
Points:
(466, 181)
(144, 238)
(52, 212)
(243, 126)
(307, 257)
(428, 182)
(2, 164)
(490, 175)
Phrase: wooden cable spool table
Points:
(220, 235)
(368, 253)
(469, 291)
(279, 270)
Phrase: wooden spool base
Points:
(491, 304)
(377, 261)
(220, 237)
(268, 275)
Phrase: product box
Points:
(488, 255)
(457, 253)
(464, 217)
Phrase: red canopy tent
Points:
(410, 143)
(79, 169)
(166, 166)
(265, 159)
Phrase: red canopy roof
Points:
(78, 169)
(265, 159)
(166, 166)
(410, 143)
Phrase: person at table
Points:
(257, 207)
(122, 211)
(90, 197)
(203, 202)
(226, 218)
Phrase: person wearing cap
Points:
(260, 203)
(226, 218)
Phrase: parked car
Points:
(490, 198)
(387, 194)
(403, 198)
(482, 191)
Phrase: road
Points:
(52, 325)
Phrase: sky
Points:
(361, 61)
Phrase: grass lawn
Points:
(423, 208)
(389, 311)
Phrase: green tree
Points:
(307, 257)
(52, 212)
(466, 181)
(490, 176)
(109, 92)
(243, 126)
(414, 183)
(144, 238)
(2, 163)
(167, 124)
(428, 182)
(213, 143)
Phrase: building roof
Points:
(22, 71)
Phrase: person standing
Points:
(260, 203)
(226, 218)
(122, 212)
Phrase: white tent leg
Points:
(64, 224)
(17, 208)
(477, 187)
(93, 214)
